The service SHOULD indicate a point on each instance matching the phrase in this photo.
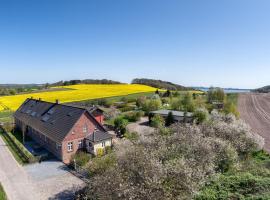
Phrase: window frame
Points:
(70, 146)
(85, 129)
(103, 144)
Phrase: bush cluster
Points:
(175, 165)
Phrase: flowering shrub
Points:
(175, 165)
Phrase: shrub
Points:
(132, 136)
(127, 108)
(157, 121)
(176, 104)
(188, 103)
(134, 116)
(169, 119)
(100, 164)
(231, 108)
(100, 152)
(81, 158)
(141, 101)
(201, 115)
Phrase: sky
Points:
(223, 43)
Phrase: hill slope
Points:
(159, 84)
(264, 89)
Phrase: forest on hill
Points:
(264, 89)
(159, 84)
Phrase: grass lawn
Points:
(2, 193)
(6, 116)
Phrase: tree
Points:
(176, 104)
(167, 94)
(120, 125)
(188, 103)
(151, 105)
(169, 119)
(215, 94)
(173, 166)
(141, 101)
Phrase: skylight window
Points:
(45, 118)
(33, 114)
(70, 114)
(51, 111)
(28, 111)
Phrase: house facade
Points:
(62, 129)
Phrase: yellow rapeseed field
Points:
(75, 93)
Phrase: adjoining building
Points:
(178, 116)
(62, 129)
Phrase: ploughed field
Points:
(255, 110)
(75, 93)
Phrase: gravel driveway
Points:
(141, 127)
(48, 180)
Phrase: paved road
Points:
(255, 110)
(15, 180)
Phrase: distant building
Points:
(62, 129)
(178, 116)
(218, 104)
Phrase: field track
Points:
(255, 110)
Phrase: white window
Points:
(70, 146)
(80, 144)
(103, 144)
(85, 128)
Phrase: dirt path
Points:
(255, 110)
(16, 182)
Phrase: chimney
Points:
(39, 99)
(57, 101)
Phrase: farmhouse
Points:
(178, 116)
(62, 129)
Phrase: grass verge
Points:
(19, 152)
(3, 195)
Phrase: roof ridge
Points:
(53, 104)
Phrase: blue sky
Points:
(193, 43)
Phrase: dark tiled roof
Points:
(98, 136)
(52, 119)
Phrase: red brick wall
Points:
(75, 135)
(100, 119)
